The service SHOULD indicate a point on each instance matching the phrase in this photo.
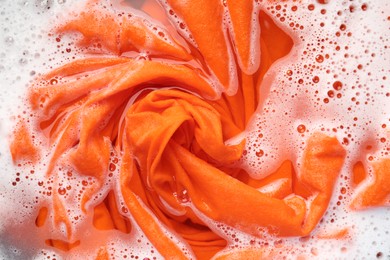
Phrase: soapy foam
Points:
(305, 96)
(26, 53)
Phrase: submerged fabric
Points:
(167, 118)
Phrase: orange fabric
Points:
(106, 216)
(62, 245)
(102, 254)
(165, 119)
(359, 174)
(245, 35)
(207, 30)
(117, 34)
(242, 254)
(22, 145)
(41, 218)
(377, 192)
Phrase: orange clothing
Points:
(167, 118)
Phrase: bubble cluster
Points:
(334, 81)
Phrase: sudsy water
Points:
(335, 80)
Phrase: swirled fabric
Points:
(157, 123)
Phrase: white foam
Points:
(361, 65)
(27, 50)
